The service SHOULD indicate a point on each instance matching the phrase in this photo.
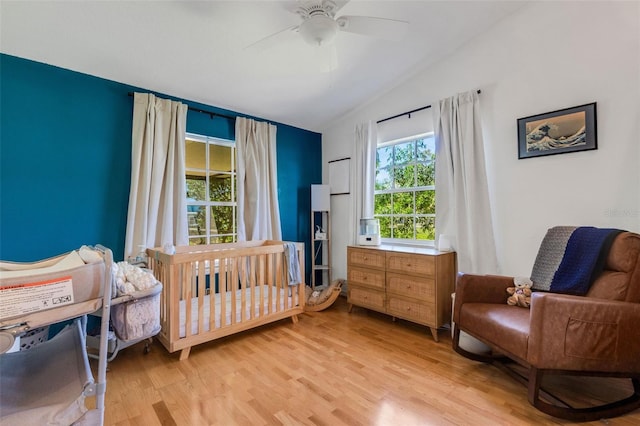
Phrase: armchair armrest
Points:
(584, 333)
(480, 289)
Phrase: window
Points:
(211, 189)
(404, 193)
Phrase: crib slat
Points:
(188, 285)
(252, 283)
(234, 286)
(244, 285)
(279, 269)
(223, 273)
(270, 280)
(261, 283)
(202, 290)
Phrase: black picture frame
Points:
(558, 132)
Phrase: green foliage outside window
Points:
(404, 199)
(218, 203)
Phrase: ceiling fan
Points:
(320, 25)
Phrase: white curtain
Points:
(157, 198)
(364, 173)
(258, 211)
(462, 195)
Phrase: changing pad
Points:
(55, 264)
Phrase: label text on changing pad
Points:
(21, 299)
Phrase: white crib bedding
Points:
(283, 297)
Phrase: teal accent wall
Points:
(65, 161)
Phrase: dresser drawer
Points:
(366, 298)
(368, 258)
(411, 263)
(421, 312)
(408, 285)
(367, 277)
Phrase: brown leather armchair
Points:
(597, 334)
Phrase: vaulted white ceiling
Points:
(196, 50)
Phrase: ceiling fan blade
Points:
(389, 29)
(271, 40)
(339, 5)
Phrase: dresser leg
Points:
(350, 307)
(434, 333)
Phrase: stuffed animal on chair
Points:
(520, 293)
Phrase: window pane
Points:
(403, 227)
(220, 158)
(426, 228)
(426, 174)
(220, 187)
(221, 220)
(403, 203)
(426, 149)
(404, 177)
(385, 227)
(384, 157)
(404, 152)
(195, 188)
(426, 202)
(382, 204)
(197, 220)
(383, 179)
(194, 154)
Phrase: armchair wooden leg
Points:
(455, 343)
(612, 409)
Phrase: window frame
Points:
(207, 204)
(413, 189)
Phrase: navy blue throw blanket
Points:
(583, 260)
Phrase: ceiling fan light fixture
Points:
(318, 30)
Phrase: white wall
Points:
(545, 57)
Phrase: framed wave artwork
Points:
(558, 132)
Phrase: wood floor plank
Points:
(331, 368)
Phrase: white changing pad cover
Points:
(281, 297)
(56, 264)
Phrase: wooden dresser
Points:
(412, 283)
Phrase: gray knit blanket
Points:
(571, 258)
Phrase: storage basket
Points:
(34, 337)
(137, 316)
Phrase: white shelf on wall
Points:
(320, 247)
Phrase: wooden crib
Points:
(224, 289)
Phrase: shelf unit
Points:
(320, 247)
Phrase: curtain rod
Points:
(407, 113)
(209, 113)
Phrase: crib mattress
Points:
(282, 297)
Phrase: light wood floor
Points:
(331, 368)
